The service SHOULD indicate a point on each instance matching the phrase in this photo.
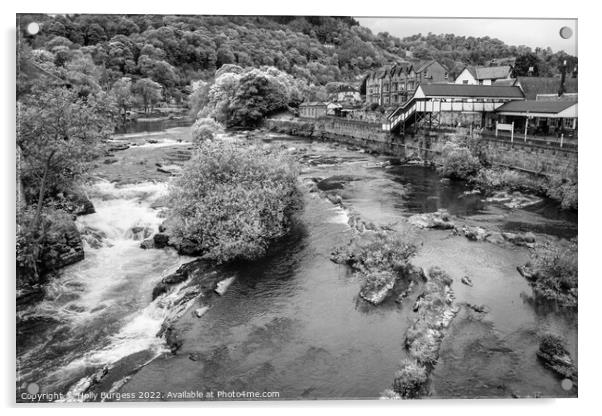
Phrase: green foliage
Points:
(242, 98)
(553, 345)
(231, 201)
(377, 280)
(31, 244)
(434, 313)
(122, 93)
(58, 133)
(457, 161)
(556, 272)
(509, 179)
(148, 93)
(527, 65)
(373, 252)
(174, 50)
(563, 190)
(457, 51)
(204, 129)
(199, 97)
(410, 379)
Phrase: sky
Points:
(529, 32)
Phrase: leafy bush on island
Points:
(204, 129)
(410, 379)
(231, 201)
(380, 258)
(376, 251)
(552, 344)
(555, 274)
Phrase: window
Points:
(465, 81)
(445, 75)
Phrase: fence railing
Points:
(550, 141)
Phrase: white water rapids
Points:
(104, 302)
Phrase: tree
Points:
(527, 65)
(149, 93)
(121, 91)
(58, 133)
(257, 95)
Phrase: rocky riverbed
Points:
(128, 319)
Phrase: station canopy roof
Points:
(533, 106)
(471, 91)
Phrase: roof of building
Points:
(489, 72)
(345, 88)
(464, 90)
(508, 82)
(532, 86)
(391, 70)
(567, 96)
(511, 60)
(422, 65)
(313, 104)
(533, 106)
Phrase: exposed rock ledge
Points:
(202, 281)
(438, 220)
(435, 310)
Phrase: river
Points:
(293, 323)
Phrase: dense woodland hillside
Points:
(169, 52)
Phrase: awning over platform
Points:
(533, 108)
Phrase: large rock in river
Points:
(62, 246)
(377, 287)
(439, 220)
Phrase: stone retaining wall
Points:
(533, 158)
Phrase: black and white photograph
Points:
(274, 207)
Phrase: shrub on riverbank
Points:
(506, 179)
(457, 161)
(563, 190)
(555, 274)
(53, 244)
(555, 187)
(231, 201)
